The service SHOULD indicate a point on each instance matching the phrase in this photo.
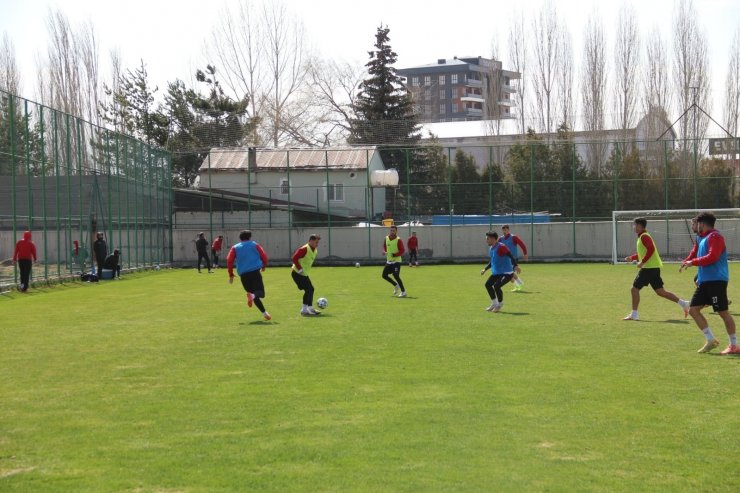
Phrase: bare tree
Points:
(62, 66)
(518, 59)
(284, 54)
(10, 77)
(88, 54)
(332, 93)
(657, 94)
(626, 65)
(236, 45)
(690, 70)
(593, 87)
(547, 51)
(565, 79)
(732, 88)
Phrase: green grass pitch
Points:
(167, 382)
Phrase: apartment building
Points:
(461, 89)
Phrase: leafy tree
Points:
(201, 122)
(715, 188)
(131, 108)
(467, 194)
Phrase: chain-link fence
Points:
(65, 179)
(568, 186)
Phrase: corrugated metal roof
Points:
(238, 158)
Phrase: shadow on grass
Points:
(260, 322)
(516, 314)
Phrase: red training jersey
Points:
(716, 247)
(413, 242)
(217, 244)
(25, 249)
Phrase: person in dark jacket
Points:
(201, 246)
(113, 262)
(100, 251)
(25, 256)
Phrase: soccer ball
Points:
(322, 303)
(357, 265)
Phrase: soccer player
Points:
(514, 243)
(649, 263)
(216, 249)
(25, 255)
(393, 251)
(201, 245)
(503, 264)
(714, 275)
(413, 244)
(251, 261)
(302, 260)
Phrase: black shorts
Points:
(648, 276)
(711, 293)
(394, 268)
(303, 282)
(252, 282)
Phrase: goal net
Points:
(671, 230)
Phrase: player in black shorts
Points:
(712, 280)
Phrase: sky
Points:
(170, 35)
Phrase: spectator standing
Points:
(25, 256)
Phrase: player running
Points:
(513, 243)
(251, 261)
(713, 277)
(503, 265)
(302, 260)
(649, 263)
(393, 251)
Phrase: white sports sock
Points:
(708, 333)
(518, 281)
(634, 313)
(733, 339)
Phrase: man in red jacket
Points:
(25, 255)
(413, 244)
(216, 249)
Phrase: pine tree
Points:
(384, 108)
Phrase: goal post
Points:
(671, 230)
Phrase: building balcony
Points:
(474, 111)
(473, 98)
(506, 102)
(509, 89)
(473, 82)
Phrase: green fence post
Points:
(531, 197)
(29, 192)
(328, 198)
(449, 194)
(573, 186)
(42, 131)
(68, 152)
(13, 167)
(371, 196)
(210, 200)
(290, 215)
(58, 212)
(408, 190)
(490, 187)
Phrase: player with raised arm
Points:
(250, 260)
(503, 266)
(514, 243)
(649, 263)
(393, 251)
(302, 260)
(712, 280)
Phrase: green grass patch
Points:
(168, 382)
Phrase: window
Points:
(442, 109)
(284, 186)
(442, 80)
(441, 94)
(454, 79)
(336, 192)
(454, 108)
(427, 80)
(414, 81)
(427, 94)
(427, 109)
